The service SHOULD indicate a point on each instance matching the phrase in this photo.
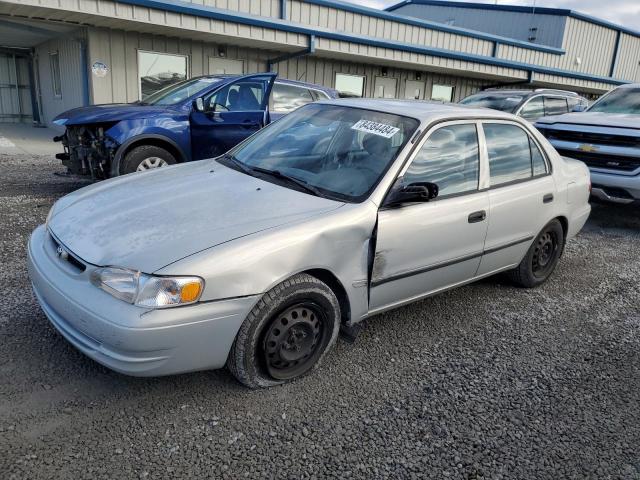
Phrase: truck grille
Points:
(597, 160)
(592, 138)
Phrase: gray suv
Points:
(528, 104)
(607, 138)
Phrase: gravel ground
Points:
(487, 381)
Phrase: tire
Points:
(286, 334)
(145, 157)
(541, 258)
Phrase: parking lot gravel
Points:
(483, 382)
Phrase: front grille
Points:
(593, 138)
(597, 160)
(65, 256)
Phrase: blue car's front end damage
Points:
(96, 137)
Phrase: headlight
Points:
(147, 290)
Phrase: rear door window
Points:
(287, 98)
(509, 153)
(555, 106)
(533, 109)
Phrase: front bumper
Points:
(126, 338)
(615, 188)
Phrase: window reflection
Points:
(449, 158)
(287, 98)
(159, 70)
(509, 153)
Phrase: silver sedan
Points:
(337, 212)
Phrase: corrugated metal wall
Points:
(341, 20)
(15, 95)
(592, 44)
(264, 8)
(550, 28)
(118, 49)
(71, 76)
(629, 58)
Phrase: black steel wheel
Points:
(286, 334)
(541, 258)
(292, 341)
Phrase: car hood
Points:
(145, 221)
(599, 119)
(112, 112)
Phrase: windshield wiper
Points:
(245, 168)
(297, 181)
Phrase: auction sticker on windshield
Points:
(381, 129)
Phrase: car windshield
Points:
(622, 100)
(334, 151)
(179, 92)
(496, 101)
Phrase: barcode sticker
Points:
(380, 129)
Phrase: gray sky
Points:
(623, 12)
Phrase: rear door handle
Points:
(476, 217)
(548, 198)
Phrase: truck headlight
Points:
(148, 291)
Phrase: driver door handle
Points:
(478, 216)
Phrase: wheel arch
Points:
(146, 139)
(564, 221)
(329, 278)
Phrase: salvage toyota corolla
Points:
(339, 211)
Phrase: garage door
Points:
(15, 92)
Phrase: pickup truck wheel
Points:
(542, 257)
(145, 157)
(286, 334)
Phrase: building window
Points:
(442, 93)
(159, 70)
(54, 61)
(350, 85)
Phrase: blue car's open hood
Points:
(112, 112)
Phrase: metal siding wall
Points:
(629, 58)
(71, 77)
(593, 44)
(341, 20)
(507, 24)
(119, 50)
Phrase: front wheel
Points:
(146, 157)
(541, 259)
(286, 334)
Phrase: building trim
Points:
(558, 12)
(616, 54)
(394, 17)
(186, 8)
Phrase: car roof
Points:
(420, 109)
(285, 81)
(540, 91)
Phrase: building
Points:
(59, 54)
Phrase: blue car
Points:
(202, 117)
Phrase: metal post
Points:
(17, 85)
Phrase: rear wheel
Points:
(146, 157)
(542, 257)
(286, 334)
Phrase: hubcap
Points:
(151, 162)
(292, 342)
(544, 253)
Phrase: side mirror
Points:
(198, 104)
(412, 193)
(579, 108)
